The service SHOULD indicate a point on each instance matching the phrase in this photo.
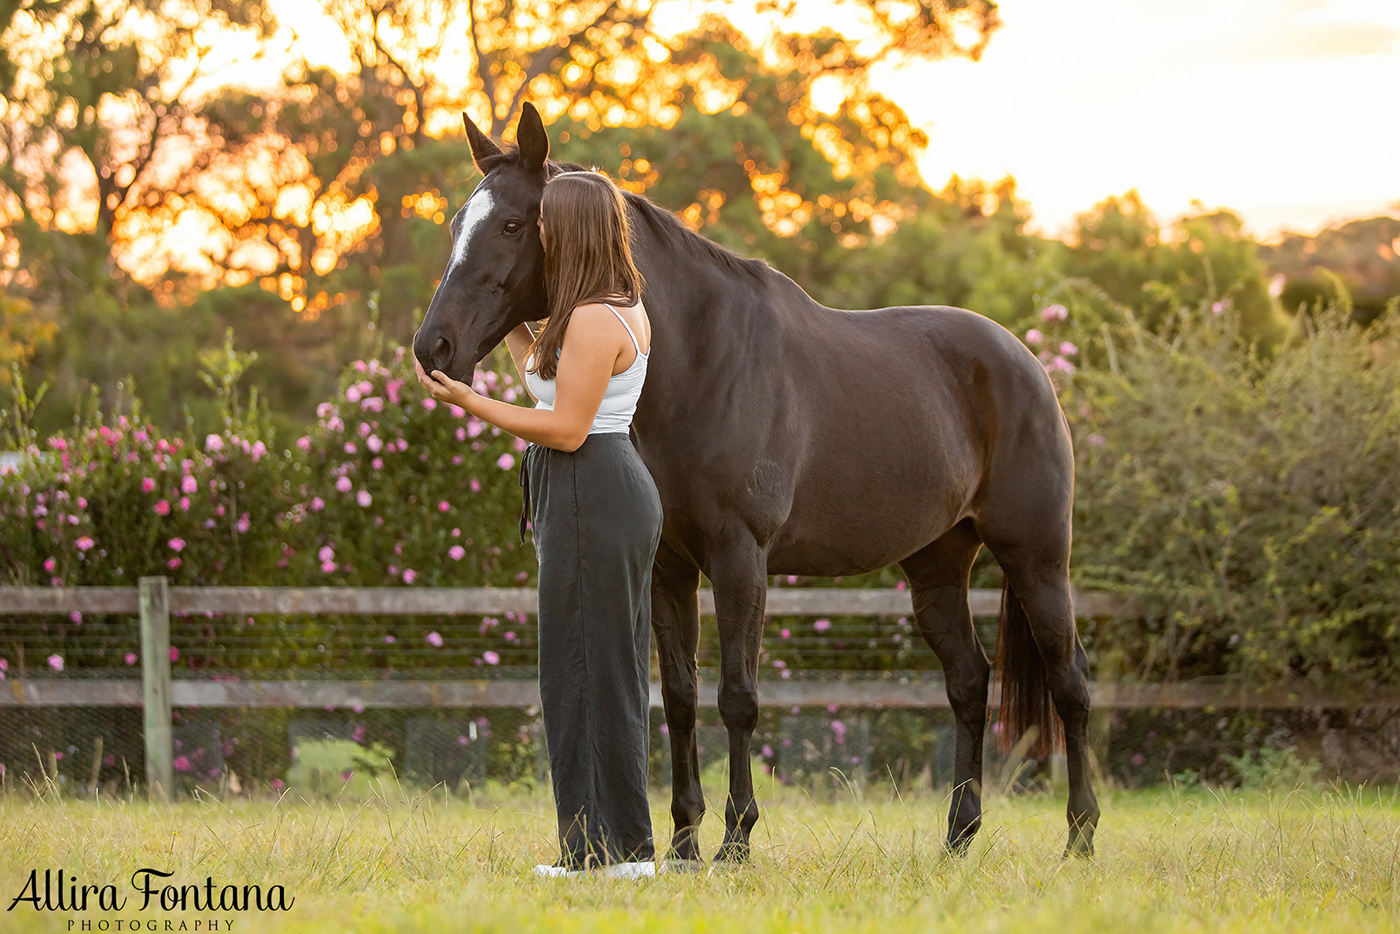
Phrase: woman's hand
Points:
(445, 389)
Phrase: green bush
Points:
(1256, 502)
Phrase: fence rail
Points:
(905, 689)
(469, 601)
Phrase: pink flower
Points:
(460, 433)
(304, 442)
(363, 498)
(343, 484)
(189, 484)
(1033, 336)
(1055, 312)
(181, 763)
(242, 524)
(505, 462)
(174, 654)
(213, 443)
(377, 463)
(456, 552)
(430, 403)
(184, 504)
(1068, 349)
(456, 410)
(56, 662)
(443, 506)
(162, 508)
(520, 444)
(786, 633)
(277, 784)
(475, 426)
(84, 543)
(130, 658)
(1217, 308)
(317, 504)
(490, 657)
(350, 447)
(147, 484)
(328, 567)
(408, 575)
(353, 394)
(475, 485)
(822, 625)
(177, 544)
(50, 564)
(173, 563)
(374, 444)
(435, 640)
(326, 553)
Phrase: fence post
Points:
(155, 686)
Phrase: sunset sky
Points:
(1282, 110)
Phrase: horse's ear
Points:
(482, 147)
(531, 138)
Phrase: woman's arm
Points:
(585, 366)
(517, 342)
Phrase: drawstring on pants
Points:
(525, 489)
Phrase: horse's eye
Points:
(513, 227)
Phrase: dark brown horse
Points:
(786, 437)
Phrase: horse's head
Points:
(495, 277)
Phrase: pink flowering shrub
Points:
(117, 499)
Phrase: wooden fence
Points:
(155, 601)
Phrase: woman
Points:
(596, 520)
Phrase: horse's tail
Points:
(1025, 690)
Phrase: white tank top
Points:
(619, 399)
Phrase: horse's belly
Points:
(834, 539)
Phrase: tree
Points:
(1119, 247)
(359, 162)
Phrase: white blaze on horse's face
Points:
(475, 213)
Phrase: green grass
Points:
(1199, 860)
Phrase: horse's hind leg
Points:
(938, 575)
(1037, 571)
(738, 570)
(675, 619)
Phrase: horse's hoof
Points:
(674, 866)
(732, 853)
(1083, 849)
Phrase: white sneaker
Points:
(636, 870)
(629, 870)
(554, 872)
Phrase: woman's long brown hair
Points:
(587, 256)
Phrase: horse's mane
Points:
(666, 225)
(670, 229)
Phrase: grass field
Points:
(1199, 860)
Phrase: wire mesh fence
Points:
(866, 707)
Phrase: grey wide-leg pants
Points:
(596, 518)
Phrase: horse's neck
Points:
(699, 305)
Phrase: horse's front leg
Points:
(675, 619)
(739, 576)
